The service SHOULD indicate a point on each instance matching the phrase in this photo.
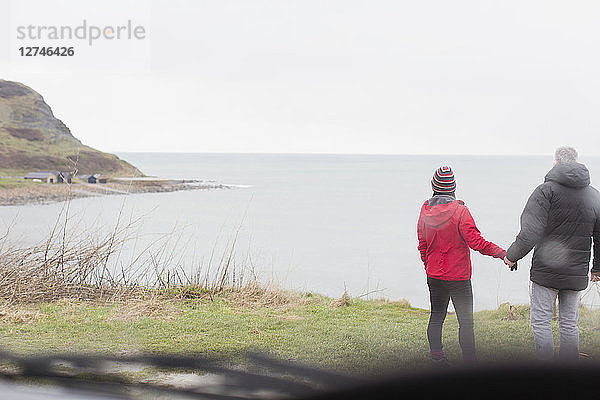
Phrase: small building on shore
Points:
(47, 176)
(88, 178)
(63, 177)
(96, 178)
(50, 176)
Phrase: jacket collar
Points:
(440, 199)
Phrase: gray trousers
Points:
(542, 308)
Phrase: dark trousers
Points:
(461, 293)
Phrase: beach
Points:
(44, 193)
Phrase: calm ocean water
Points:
(320, 223)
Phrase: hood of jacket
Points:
(439, 209)
(573, 175)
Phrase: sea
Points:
(310, 222)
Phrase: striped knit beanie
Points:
(443, 180)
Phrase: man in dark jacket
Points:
(560, 219)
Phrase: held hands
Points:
(513, 265)
(595, 276)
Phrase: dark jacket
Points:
(560, 219)
(446, 230)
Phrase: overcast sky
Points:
(400, 77)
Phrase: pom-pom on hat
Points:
(443, 180)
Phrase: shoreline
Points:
(44, 193)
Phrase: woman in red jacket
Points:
(446, 230)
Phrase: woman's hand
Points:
(510, 264)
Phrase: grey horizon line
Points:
(551, 154)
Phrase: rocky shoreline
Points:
(51, 193)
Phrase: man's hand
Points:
(595, 276)
(510, 264)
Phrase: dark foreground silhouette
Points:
(89, 377)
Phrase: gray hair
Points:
(565, 155)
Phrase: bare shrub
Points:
(62, 266)
(101, 265)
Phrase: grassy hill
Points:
(31, 138)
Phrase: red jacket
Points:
(446, 232)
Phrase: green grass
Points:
(365, 337)
(13, 172)
(9, 183)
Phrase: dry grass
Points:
(343, 301)
(154, 307)
(253, 295)
(72, 307)
(512, 312)
(402, 303)
(18, 315)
